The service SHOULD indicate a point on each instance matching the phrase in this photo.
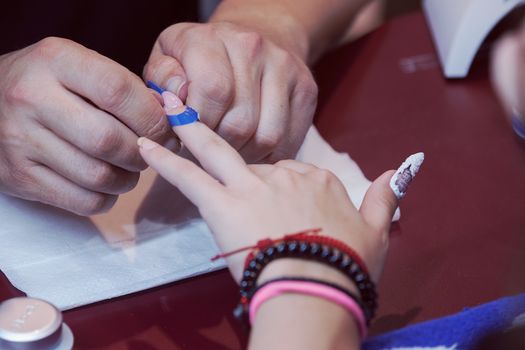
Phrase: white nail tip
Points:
(406, 173)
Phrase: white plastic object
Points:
(459, 27)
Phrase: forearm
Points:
(295, 321)
(308, 27)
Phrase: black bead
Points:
(359, 278)
(253, 265)
(354, 268)
(281, 248)
(315, 249)
(361, 286)
(239, 312)
(345, 263)
(326, 252)
(293, 247)
(336, 257)
(304, 247)
(261, 258)
(270, 253)
(244, 284)
(247, 274)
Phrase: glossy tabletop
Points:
(461, 238)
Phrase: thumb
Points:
(380, 203)
(166, 73)
(382, 197)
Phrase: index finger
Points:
(111, 87)
(216, 156)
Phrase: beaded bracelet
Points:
(312, 287)
(343, 258)
(307, 245)
(312, 251)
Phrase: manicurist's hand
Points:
(69, 121)
(254, 91)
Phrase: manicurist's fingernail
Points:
(171, 101)
(175, 84)
(405, 174)
(146, 144)
(518, 123)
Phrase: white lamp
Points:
(459, 27)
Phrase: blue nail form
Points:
(188, 116)
(518, 126)
(155, 87)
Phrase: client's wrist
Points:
(288, 317)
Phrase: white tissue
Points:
(148, 239)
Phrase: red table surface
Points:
(461, 238)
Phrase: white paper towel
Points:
(151, 237)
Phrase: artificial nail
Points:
(174, 84)
(517, 123)
(146, 144)
(405, 174)
(171, 101)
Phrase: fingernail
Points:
(405, 174)
(175, 84)
(171, 101)
(155, 87)
(517, 123)
(146, 144)
(185, 116)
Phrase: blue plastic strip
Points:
(155, 87)
(187, 117)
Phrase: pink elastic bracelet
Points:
(334, 295)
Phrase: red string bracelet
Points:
(311, 236)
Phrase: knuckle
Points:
(238, 127)
(324, 176)
(218, 89)
(102, 176)
(106, 142)
(132, 179)
(96, 203)
(19, 92)
(251, 43)
(306, 91)
(174, 30)
(284, 59)
(268, 141)
(159, 131)
(114, 89)
(21, 179)
(158, 67)
(149, 69)
(50, 48)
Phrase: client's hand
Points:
(245, 203)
